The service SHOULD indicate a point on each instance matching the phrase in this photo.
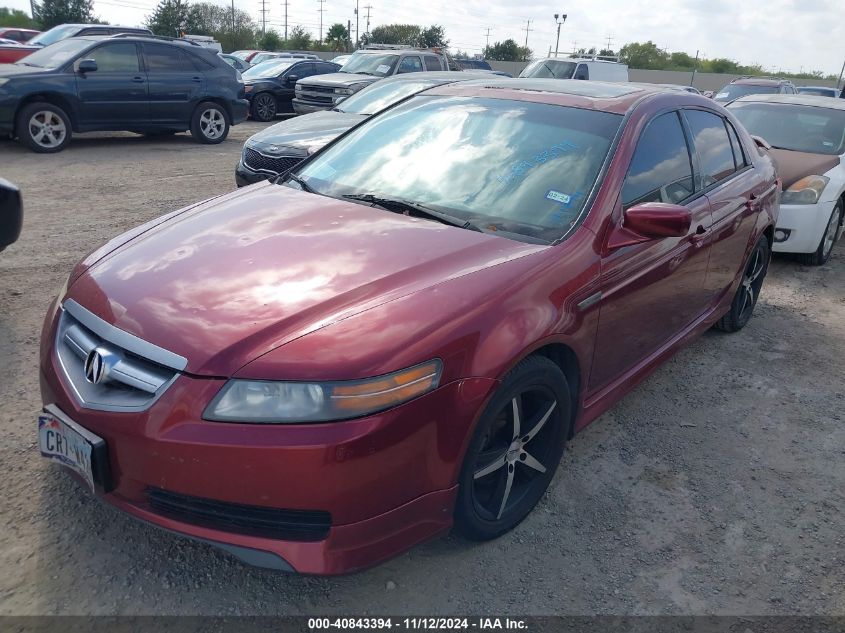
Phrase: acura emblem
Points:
(95, 367)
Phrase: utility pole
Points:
(263, 17)
(234, 28)
(285, 5)
(348, 36)
(487, 35)
(368, 7)
(321, 10)
(609, 40)
(559, 22)
(526, 29)
(357, 25)
(840, 75)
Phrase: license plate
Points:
(67, 443)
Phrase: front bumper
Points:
(307, 107)
(388, 480)
(245, 176)
(805, 224)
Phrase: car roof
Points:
(806, 100)
(817, 88)
(595, 95)
(759, 81)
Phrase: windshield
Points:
(271, 68)
(54, 35)
(549, 69)
(735, 91)
(55, 55)
(511, 166)
(794, 127)
(369, 64)
(380, 95)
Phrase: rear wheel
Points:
(831, 234)
(263, 107)
(748, 292)
(515, 450)
(210, 123)
(44, 128)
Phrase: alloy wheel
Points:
(47, 129)
(266, 107)
(830, 234)
(514, 454)
(212, 123)
(752, 281)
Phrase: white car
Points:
(807, 138)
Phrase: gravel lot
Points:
(716, 487)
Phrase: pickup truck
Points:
(364, 67)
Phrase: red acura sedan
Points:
(400, 335)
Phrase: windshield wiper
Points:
(302, 184)
(415, 207)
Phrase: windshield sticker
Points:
(522, 167)
(722, 95)
(557, 196)
(384, 68)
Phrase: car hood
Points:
(19, 70)
(305, 132)
(232, 279)
(793, 166)
(338, 80)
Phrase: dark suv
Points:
(742, 86)
(142, 84)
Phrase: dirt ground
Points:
(716, 487)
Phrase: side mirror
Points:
(657, 219)
(87, 66)
(11, 213)
(292, 79)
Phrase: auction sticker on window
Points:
(558, 196)
(384, 68)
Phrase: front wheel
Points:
(263, 107)
(210, 123)
(829, 237)
(748, 292)
(44, 128)
(515, 450)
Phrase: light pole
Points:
(560, 19)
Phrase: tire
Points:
(742, 306)
(828, 239)
(210, 123)
(43, 128)
(263, 107)
(488, 505)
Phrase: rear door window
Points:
(739, 155)
(661, 169)
(162, 58)
(432, 63)
(582, 72)
(710, 138)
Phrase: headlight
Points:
(343, 91)
(806, 191)
(291, 402)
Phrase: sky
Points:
(788, 35)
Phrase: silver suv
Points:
(365, 66)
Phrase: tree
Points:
(606, 52)
(270, 41)
(643, 55)
(723, 65)
(299, 40)
(16, 18)
(337, 37)
(681, 61)
(169, 18)
(507, 51)
(432, 37)
(50, 13)
(405, 34)
(207, 18)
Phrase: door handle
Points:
(197, 79)
(138, 79)
(700, 233)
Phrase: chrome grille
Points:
(109, 369)
(275, 164)
(314, 88)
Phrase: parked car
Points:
(235, 62)
(124, 82)
(364, 67)
(577, 68)
(807, 138)
(341, 59)
(473, 64)
(278, 148)
(5, 42)
(270, 85)
(402, 335)
(691, 89)
(64, 31)
(819, 91)
(11, 51)
(18, 34)
(11, 213)
(753, 85)
(246, 55)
